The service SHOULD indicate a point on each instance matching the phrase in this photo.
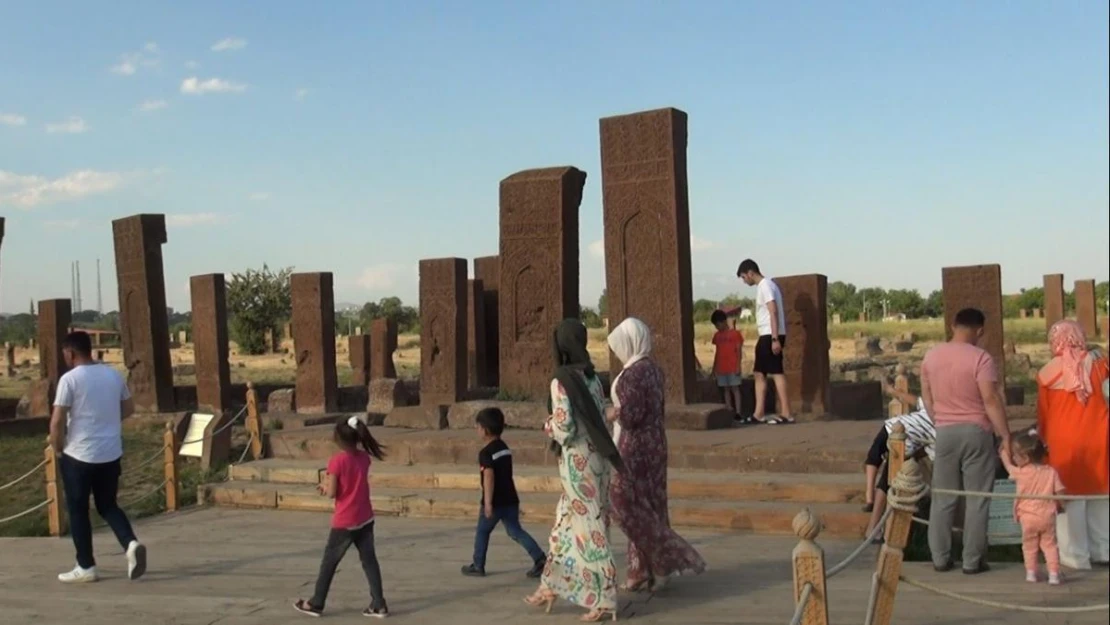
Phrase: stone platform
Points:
(235, 567)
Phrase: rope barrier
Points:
(155, 456)
(871, 597)
(145, 495)
(222, 428)
(971, 493)
(27, 511)
(246, 449)
(800, 609)
(24, 476)
(862, 546)
(907, 488)
(1005, 606)
(960, 529)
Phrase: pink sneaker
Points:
(1054, 579)
(1031, 577)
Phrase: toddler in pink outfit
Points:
(1036, 516)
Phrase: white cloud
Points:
(149, 106)
(11, 119)
(597, 248)
(259, 196)
(130, 62)
(28, 191)
(62, 224)
(300, 94)
(188, 220)
(377, 277)
(151, 47)
(191, 65)
(196, 86)
(700, 245)
(74, 126)
(126, 67)
(228, 44)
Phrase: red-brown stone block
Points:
(647, 238)
(1053, 298)
(383, 342)
(442, 331)
(1086, 308)
(488, 270)
(806, 353)
(144, 324)
(539, 272)
(210, 343)
(475, 333)
(314, 342)
(53, 325)
(358, 353)
(977, 286)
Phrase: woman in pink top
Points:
(1036, 516)
(352, 523)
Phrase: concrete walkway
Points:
(239, 567)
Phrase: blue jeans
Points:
(510, 517)
(101, 481)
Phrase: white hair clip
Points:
(352, 422)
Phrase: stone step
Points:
(800, 488)
(819, 447)
(840, 520)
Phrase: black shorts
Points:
(767, 361)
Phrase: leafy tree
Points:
(906, 301)
(934, 304)
(85, 318)
(407, 318)
(735, 301)
(603, 303)
(258, 300)
(590, 318)
(18, 329)
(843, 300)
(703, 310)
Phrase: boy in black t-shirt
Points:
(500, 503)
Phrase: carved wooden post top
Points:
(898, 432)
(806, 525)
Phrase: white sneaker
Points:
(136, 560)
(1053, 579)
(1031, 577)
(79, 576)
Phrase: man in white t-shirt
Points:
(85, 431)
(770, 321)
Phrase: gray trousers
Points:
(966, 459)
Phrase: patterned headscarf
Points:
(1069, 346)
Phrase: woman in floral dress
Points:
(639, 493)
(580, 566)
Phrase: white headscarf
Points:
(631, 342)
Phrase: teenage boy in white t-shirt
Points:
(85, 430)
(770, 320)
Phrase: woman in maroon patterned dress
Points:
(638, 495)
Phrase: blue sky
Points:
(874, 142)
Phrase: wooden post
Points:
(53, 492)
(254, 422)
(169, 441)
(904, 494)
(809, 568)
(896, 450)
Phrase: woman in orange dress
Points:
(1072, 421)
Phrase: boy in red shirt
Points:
(726, 362)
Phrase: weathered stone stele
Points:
(53, 325)
(806, 353)
(488, 270)
(1053, 298)
(383, 342)
(539, 272)
(1086, 308)
(977, 286)
(210, 343)
(144, 324)
(647, 238)
(358, 354)
(475, 333)
(442, 331)
(314, 342)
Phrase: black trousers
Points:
(101, 481)
(339, 541)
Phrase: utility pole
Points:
(99, 302)
(77, 303)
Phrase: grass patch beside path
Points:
(140, 443)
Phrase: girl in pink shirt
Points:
(352, 523)
(1036, 516)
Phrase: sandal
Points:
(597, 616)
(541, 598)
(780, 420)
(304, 607)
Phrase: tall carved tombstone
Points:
(442, 331)
(314, 342)
(383, 342)
(210, 343)
(1053, 298)
(1086, 307)
(144, 323)
(358, 353)
(54, 318)
(977, 286)
(806, 353)
(647, 238)
(1, 236)
(488, 270)
(475, 333)
(539, 272)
